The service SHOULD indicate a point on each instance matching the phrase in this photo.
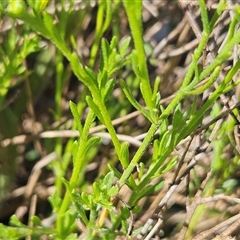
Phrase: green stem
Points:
(186, 86)
(220, 8)
(138, 154)
(211, 80)
(191, 126)
(108, 124)
(204, 16)
(59, 172)
(133, 10)
(101, 27)
(78, 166)
(183, 91)
(153, 170)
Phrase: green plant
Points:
(95, 207)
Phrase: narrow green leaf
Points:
(67, 185)
(148, 190)
(16, 222)
(108, 15)
(101, 62)
(79, 70)
(87, 200)
(14, 233)
(91, 75)
(79, 206)
(204, 16)
(108, 180)
(192, 110)
(220, 8)
(154, 115)
(192, 125)
(156, 94)
(125, 212)
(125, 154)
(156, 144)
(141, 169)
(164, 142)
(108, 89)
(48, 23)
(96, 190)
(168, 166)
(106, 203)
(91, 142)
(211, 80)
(113, 44)
(55, 201)
(124, 47)
(133, 101)
(76, 116)
(105, 51)
(118, 65)
(116, 172)
(112, 191)
(72, 236)
(112, 60)
(136, 209)
(95, 108)
(164, 126)
(36, 221)
(74, 151)
(135, 64)
(178, 119)
(102, 79)
(55, 34)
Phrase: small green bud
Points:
(16, 8)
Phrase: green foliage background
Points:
(44, 47)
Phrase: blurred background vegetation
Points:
(37, 83)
